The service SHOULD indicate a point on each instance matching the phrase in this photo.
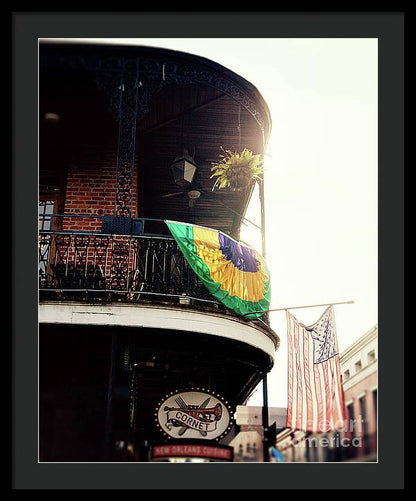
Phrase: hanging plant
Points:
(236, 170)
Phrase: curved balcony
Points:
(104, 267)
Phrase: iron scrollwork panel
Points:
(152, 272)
(128, 97)
(161, 268)
(68, 261)
(120, 259)
(128, 90)
(45, 273)
(154, 73)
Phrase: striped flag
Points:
(235, 274)
(315, 395)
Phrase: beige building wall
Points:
(359, 364)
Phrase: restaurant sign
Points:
(194, 413)
(191, 450)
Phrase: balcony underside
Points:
(145, 364)
(160, 317)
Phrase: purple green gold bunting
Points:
(235, 274)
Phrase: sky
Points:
(321, 177)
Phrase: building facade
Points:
(360, 383)
(248, 444)
(128, 332)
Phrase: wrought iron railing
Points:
(129, 267)
(104, 267)
(97, 266)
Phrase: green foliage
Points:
(236, 170)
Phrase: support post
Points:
(263, 218)
(109, 414)
(265, 419)
(127, 118)
(265, 410)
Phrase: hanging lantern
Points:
(184, 170)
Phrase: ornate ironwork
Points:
(128, 102)
(154, 73)
(189, 74)
(128, 86)
(119, 272)
(131, 267)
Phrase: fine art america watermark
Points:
(350, 434)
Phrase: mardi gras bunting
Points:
(235, 274)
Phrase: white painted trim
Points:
(358, 345)
(156, 317)
(360, 375)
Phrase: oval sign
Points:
(194, 414)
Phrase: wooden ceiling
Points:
(208, 122)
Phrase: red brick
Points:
(91, 189)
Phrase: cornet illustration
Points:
(194, 417)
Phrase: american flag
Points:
(315, 395)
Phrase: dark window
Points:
(307, 451)
(338, 448)
(374, 435)
(363, 412)
(327, 451)
(350, 413)
(314, 453)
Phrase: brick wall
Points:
(91, 189)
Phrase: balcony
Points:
(123, 301)
(98, 267)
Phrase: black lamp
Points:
(183, 169)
